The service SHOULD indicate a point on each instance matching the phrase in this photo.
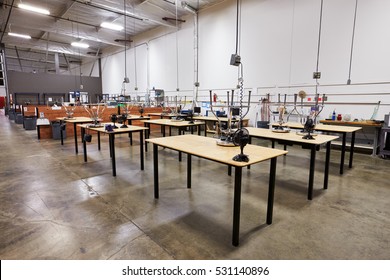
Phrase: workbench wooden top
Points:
(170, 115)
(355, 123)
(75, 119)
(129, 128)
(323, 127)
(137, 117)
(173, 123)
(289, 136)
(207, 147)
(213, 118)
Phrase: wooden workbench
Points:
(75, 121)
(212, 120)
(205, 147)
(377, 126)
(111, 134)
(291, 138)
(339, 129)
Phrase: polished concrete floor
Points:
(55, 206)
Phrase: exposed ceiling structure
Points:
(80, 21)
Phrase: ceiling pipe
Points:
(188, 8)
(20, 63)
(352, 42)
(36, 60)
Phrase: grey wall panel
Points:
(19, 82)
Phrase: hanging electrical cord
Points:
(317, 73)
(291, 44)
(353, 39)
(241, 67)
(196, 53)
(78, 36)
(177, 50)
(75, 76)
(241, 88)
(235, 58)
(135, 58)
(126, 79)
(238, 22)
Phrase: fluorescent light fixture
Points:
(34, 9)
(80, 45)
(111, 26)
(19, 35)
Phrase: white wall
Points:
(279, 53)
(2, 91)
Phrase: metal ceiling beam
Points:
(66, 60)
(20, 63)
(66, 9)
(102, 7)
(32, 60)
(57, 17)
(134, 16)
(28, 51)
(69, 5)
(6, 23)
(67, 44)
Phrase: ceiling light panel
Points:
(112, 26)
(34, 9)
(80, 45)
(19, 35)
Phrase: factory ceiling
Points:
(64, 22)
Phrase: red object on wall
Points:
(2, 102)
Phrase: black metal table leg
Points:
(141, 147)
(311, 173)
(229, 170)
(39, 131)
(249, 142)
(179, 132)
(327, 159)
(237, 205)
(112, 148)
(271, 190)
(84, 145)
(75, 138)
(189, 170)
(98, 135)
(343, 152)
(351, 149)
(61, 134)
(130, 133)
(147, 135)
(155, 170)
